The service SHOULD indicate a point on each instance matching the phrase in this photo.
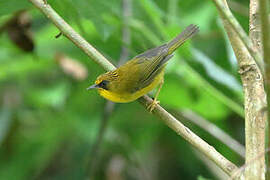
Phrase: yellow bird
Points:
(141, 74)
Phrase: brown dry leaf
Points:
(71, 67)
(19, 31)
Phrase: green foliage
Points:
(8, 7)
(49, 122)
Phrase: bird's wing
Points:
(151, 64)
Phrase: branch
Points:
(192, 138)
(246, 165)
(68, 31)
(265, 28)
(256, 127)
(216, 171)
(254, 93)
(214, 131)
(226, 13)
(255, 25)
(167, 118)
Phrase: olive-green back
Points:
(140, 71)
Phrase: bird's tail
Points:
(190, 31)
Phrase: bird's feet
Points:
(153, 105)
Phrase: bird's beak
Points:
(92, 87)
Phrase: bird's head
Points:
(102, 82)
(105, 82)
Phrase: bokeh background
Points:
(50, 125)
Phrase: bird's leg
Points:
(154, 103)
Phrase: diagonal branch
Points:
(166, 117)
(189, 136)
(214, 130)
(69, 32)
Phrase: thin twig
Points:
(58, 35)
(214, 131)
(166, 117)
(69, 32)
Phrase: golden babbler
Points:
(141, 74)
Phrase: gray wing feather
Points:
(157, 58)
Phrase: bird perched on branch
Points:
(141, 74)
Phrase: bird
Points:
(142, 73)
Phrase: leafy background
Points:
(49, 122)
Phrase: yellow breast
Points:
(128, 97)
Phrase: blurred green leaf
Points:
(54, 96)
(203, 16)
(154, 13)
(97, 12)
(11, 6)
(20, 68)
(202, 178)
(179, 93)
(215, 72)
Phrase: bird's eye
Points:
(103, 84)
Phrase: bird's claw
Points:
(153, 105)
